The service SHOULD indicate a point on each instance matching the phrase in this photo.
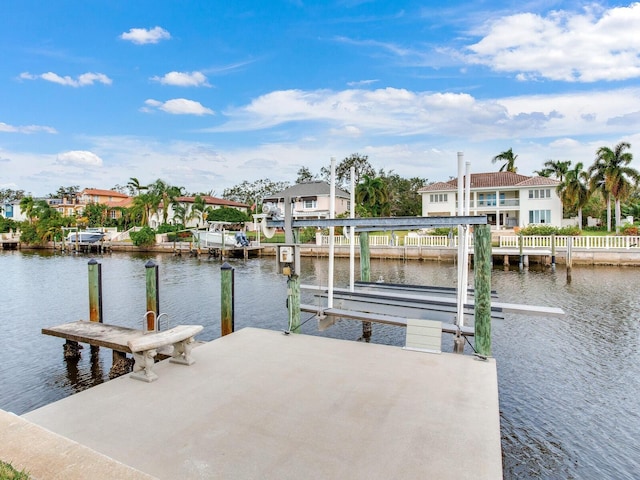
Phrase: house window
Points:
(438, 198)
(8, 211)
(310, 204)
(540, 193)
(539, 216)
(112, 214)
(488, 199)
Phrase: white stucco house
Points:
(507, 199)
(310, 200)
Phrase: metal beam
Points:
(384, 223)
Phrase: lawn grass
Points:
(7, 472)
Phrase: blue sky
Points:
(206, 94)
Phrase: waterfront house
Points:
(192, 217)
(310, 200)
(507, 199)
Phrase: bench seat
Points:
(144, 349)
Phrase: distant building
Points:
(193, 218)
(310, 200)
(507, 199)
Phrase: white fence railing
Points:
(587, 242)
(509, 241)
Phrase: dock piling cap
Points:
(226, 266)
(150, 264)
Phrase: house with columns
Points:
(508, 199)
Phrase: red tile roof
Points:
(213, 201)
(103, 193)
(492, 180)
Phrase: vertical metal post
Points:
(569, 259)
(553, 250)
(153, 295)
(482, 286)
(365, 276)
(226, 299)
(95, 291)
(521, 248)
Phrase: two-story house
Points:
(507, 199)
(310, 200)
(112, 199)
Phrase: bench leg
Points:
(182, 352)
(142, 368)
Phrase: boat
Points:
(216, 235)
(85, 236)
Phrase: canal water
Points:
(569, 386)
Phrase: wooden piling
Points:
(365, 276)
(226, 299)
(95, 291)
(293, 302)
(482, 286)
(153, 295)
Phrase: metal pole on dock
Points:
(226, 299)
(482, 286)
(521, 247)
(553, 250)
(569, 259)
(365, 276)
(95, 291)
(153, 295)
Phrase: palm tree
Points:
(27, 206)
(510, 161)
(135, 186)
(144, 206)
(557, 168)
(373, 196)
(198, 208)
(573, 190)
(612, 175)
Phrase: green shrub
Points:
(7, 472)
(545, 230)
(145, 237)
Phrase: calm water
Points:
(569, 387)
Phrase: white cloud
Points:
(28, 129)
(177, 106)
(183, 79)
(346, 131)
(400, 112)
(83, 80)
(80, 158)
(574, 47)
(141, 36)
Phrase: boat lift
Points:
(394, 304)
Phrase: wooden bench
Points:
(144, 349)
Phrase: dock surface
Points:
(265, 405)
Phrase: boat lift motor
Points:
(288, 260)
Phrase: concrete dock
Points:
(265, 405)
